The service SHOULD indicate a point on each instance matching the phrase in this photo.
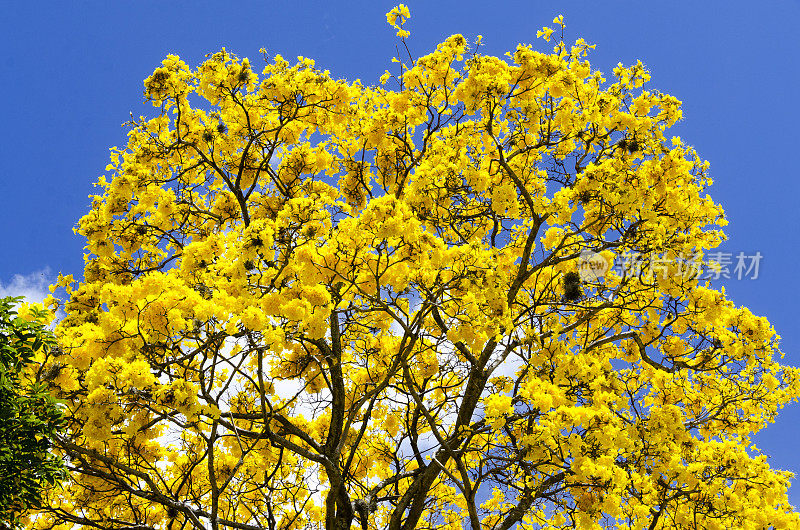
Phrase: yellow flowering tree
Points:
(309, 303)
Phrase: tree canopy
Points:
(29, 416)
(314, 303)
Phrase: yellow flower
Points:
(401, 13)
(545, 33)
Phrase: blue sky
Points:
(72, 72)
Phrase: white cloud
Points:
(33, 286)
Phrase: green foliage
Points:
(29, 416)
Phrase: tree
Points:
(29, 416)
(309, 303)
